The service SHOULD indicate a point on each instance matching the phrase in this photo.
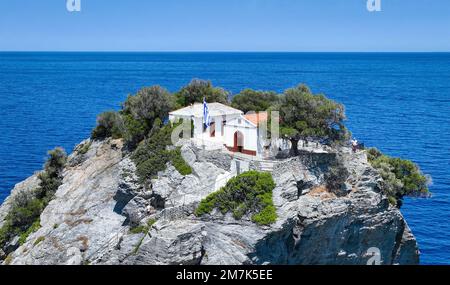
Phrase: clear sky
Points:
(225, 25)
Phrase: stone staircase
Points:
(266, 165)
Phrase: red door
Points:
(212, 130)
(238, 141)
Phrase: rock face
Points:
(100, 200)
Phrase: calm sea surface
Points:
(397, 102)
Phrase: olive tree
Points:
(304, 115)
(142, 110)
(198, 89)
(252, 100)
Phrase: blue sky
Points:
(225, 25)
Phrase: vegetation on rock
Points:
(84, 148)
(138, 115)
(198, 89)
(179, 163)
(336, 176)
(144, 229)
(26, 207)
(401, 177)
(109, 124)
(152, 154)
(247, 193)
(251, 100)
(143, 109)
(304, 115)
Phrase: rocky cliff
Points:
(96, 211)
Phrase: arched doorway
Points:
(238, 141)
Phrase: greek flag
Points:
(206, 118)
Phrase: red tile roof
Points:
(257, 117)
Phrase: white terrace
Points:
(232, 131)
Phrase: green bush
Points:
(109, 124)
(6, 233)
(139, 114)
(84, 148)
(26, 207)
(179, 163)
(148, 104)
(336, 176)
(151, 156)
(142, 111)
(138, 230)
(198, 89)
(34, 227)
(400, 177)
(135, 130)
(24, 216)
(251, 100)
(304, 115)
(39, 240)
(247, 193)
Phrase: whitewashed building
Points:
(229, 127)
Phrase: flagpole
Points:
(203, 123)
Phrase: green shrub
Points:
(26, 207)
(179, 163)
(336, 176)
(39, 240)
(6, 233)
(266, 216)
(84, 148)
(51, 177)
(135, 130)
(148, 104)
(151, 156)
(143, 228)
(252, 100)
(400, 177)
(138, 229)
(151, 222)
(247, 193)
(142, 111)
(109, 124)
(139, 114)
(34, 227)
(24, 216)
(198, 89)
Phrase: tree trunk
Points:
(294, 147)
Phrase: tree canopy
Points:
(249, 193)
(148, 104)
(138, 115)
(401, 177)
(141, 111)
(198, 89)
(252, 100)
(304, 115)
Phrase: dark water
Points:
(397, 102)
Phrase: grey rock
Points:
(137, 209)
(26, 186)
(82, 213)
(178, 244)
(101, 197)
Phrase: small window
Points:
(239, 121)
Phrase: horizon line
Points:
(207, 51)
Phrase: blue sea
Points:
(398, 102)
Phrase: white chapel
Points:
(228, 127)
